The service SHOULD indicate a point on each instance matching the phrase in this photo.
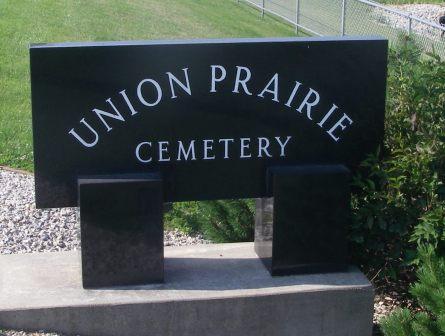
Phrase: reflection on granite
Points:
(264, 229)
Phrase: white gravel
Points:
(23, 333)
(427, 12)
(23, 228)
(424, 11)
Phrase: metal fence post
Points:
(297, 15)
(262, 8)
(410, 25)
(343, 18)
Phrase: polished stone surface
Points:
(121, 230)
(327, 94)
(214, 290)
(303, 228)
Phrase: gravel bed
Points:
(23, 228)
(23, 333)
(427, 12)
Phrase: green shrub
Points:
(185, 216)
(219, 221)
(431, 229)
(398, 192)
(429, 291)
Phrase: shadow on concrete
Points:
(217, 274)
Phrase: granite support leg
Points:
(121, 221)
(303, 227)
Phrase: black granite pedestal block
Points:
(121, 221)
(302, 228)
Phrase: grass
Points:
(33, 21)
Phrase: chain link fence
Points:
(355, 17)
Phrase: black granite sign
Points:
(210, 115)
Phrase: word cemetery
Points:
(120, 128)
(246, 147)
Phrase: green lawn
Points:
(31, 21)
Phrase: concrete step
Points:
(217, 289)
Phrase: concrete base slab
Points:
(221, 289)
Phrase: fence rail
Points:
(355, 17)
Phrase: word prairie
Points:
(150, 94)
